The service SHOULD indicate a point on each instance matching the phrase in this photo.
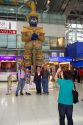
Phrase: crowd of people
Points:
(77, 74)
(41, 78)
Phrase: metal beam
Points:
(76, 15)
(64, 5)
(70, 7)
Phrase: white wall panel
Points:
(50, 29)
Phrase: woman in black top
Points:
(37, 80)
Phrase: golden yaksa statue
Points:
(33, 37)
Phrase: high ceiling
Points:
(73, 9)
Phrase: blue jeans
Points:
(65, 110)
(21, 84)
(45, 85)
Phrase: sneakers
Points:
(16, 94)
(46, 93)
(38, 93)
(21, 93)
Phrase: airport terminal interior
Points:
(40, 40)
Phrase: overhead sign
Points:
(8, 27)
(60, 59)
(7, 31)
(10, 57)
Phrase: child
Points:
(27, 79)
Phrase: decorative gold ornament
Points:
(32, 6)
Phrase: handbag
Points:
(75, 95)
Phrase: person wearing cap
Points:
(21, 80)
(27, 79)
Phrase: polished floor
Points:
(35, 109)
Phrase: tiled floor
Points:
(35, 109)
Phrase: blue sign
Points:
(60, 59)
(78, 64)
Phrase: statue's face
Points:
(33, 21)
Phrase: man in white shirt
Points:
(21, 80)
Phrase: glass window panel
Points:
(20, 52)
(61, 54)
(53, 43)
(39, 17)
(80, 39)
(73, 25)
(70, 33)
(3, 40)
(79, 30)
(12, 52)
(80, 36)
(20, 44)
(45, 44)
(12, 41)
(45, 18)
(70, 37)
(79, 26)
(3, 52)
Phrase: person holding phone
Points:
(65, 97)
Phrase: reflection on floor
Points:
(35, 109)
